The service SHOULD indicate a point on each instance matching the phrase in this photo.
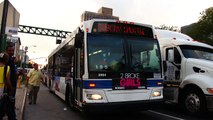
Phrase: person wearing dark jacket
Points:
(13, 74)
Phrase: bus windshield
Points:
(119, 53)
(197, 52)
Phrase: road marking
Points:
(165, 115)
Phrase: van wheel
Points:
(194, 102)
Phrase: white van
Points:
(188, 71)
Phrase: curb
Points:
(23, 104)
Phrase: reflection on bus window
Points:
(144, 58)
(63, 62)
(106, 53)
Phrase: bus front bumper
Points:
(123, 106)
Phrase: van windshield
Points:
(197, 52)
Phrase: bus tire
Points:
(194, 102)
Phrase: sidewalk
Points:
(20, 102)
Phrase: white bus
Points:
(108, 65)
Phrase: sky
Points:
(65, 15)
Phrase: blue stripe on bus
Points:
(154, 83)
(99, 84)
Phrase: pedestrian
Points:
(34, 78)
(13, 73)
(6, 89)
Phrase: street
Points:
(50, 107)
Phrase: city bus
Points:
(108, 65)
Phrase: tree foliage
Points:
(206, 23)
(171, 28)
(203, 29)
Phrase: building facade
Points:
(103, 13)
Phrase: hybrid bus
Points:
(108, 65)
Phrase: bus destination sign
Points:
(121, 28)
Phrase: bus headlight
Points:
(156, 93)
(94, 97)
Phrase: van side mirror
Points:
(79, 37)
(171, 55)
(164, 66)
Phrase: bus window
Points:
(144, 58)
(106, 52)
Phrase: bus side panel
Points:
(59, 87)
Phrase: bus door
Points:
(78, 69)
(172, 74)
(78, 83)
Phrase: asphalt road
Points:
(51, 107)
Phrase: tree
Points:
(171, 28)
(203, 29)
(206, 25)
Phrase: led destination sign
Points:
(129, 81)
(121, 28)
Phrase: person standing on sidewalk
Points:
(13, 73)
(6, 89)
(34, 78)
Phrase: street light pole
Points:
(25, 54)
(3, 26)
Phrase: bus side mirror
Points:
(71, 73)
(79, 39)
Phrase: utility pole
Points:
(3, 36)
(25, 56)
